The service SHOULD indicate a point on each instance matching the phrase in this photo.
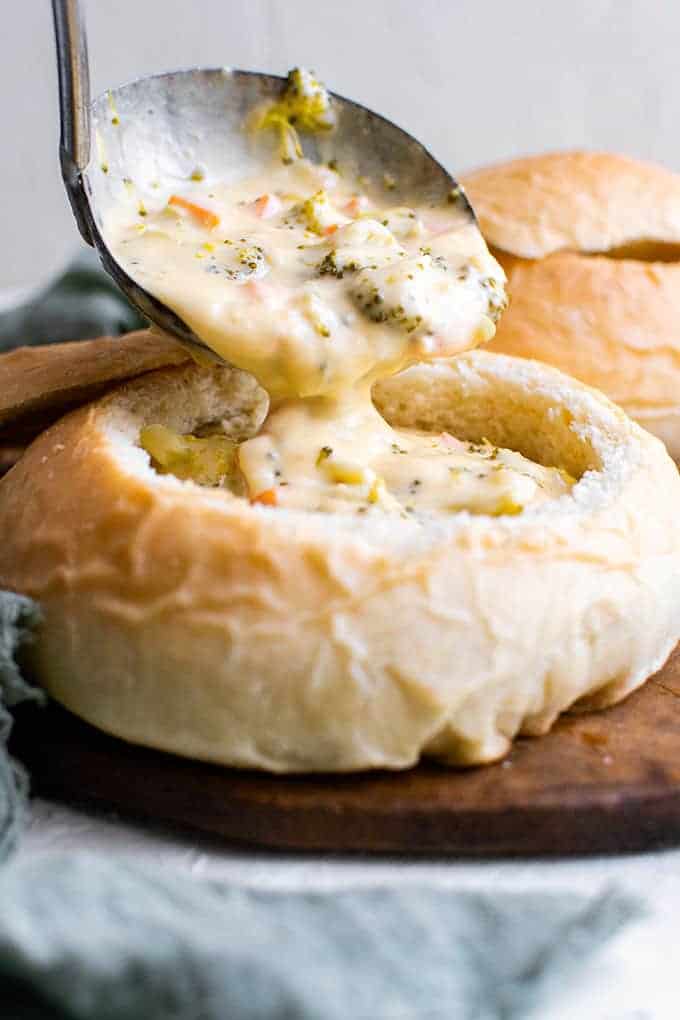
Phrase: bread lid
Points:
(39, 384)
(578, 201)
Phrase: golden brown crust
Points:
(612, 324)
(576, 201)
(38, 384)
(187, 619)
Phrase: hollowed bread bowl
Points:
(186, 619)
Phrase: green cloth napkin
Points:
(94, 938)
(81, 303)
(112, 940)
(17, 616)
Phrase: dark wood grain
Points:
(601, 782)
(9, 455)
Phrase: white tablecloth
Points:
(633, 978)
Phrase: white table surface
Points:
(632, 978)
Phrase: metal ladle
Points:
(175, 124)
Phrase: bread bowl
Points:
(348, 558)
(591, 245)
(189, 619)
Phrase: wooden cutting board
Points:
(602, 782)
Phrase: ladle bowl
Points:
(191, 123)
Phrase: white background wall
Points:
(476, 80)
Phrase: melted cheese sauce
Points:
(318, 286)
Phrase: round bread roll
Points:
(184, 618)
(591, 246)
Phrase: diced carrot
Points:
(449, 440)
(253, 288)
(267, 206)
(206, 217)
(330, 230)
(356, 205)
(268, 498)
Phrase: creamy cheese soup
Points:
(318, 285)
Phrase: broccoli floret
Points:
(239, 262)
(357, 245)
(318, 213)
(304, 104)
(418, 295)
(496, 296)
(329, 266)
(207, 461)
(307, 102)
(396, 294)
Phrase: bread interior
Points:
(510, 402)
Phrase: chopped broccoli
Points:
(496, 296)
(243, 262)
(206, 461)
(419, 295)
(307, 102)
(397, 294)
(304, 104)
(318, 213)
(329, 266)
(357, 245)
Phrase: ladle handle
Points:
(74, 104)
